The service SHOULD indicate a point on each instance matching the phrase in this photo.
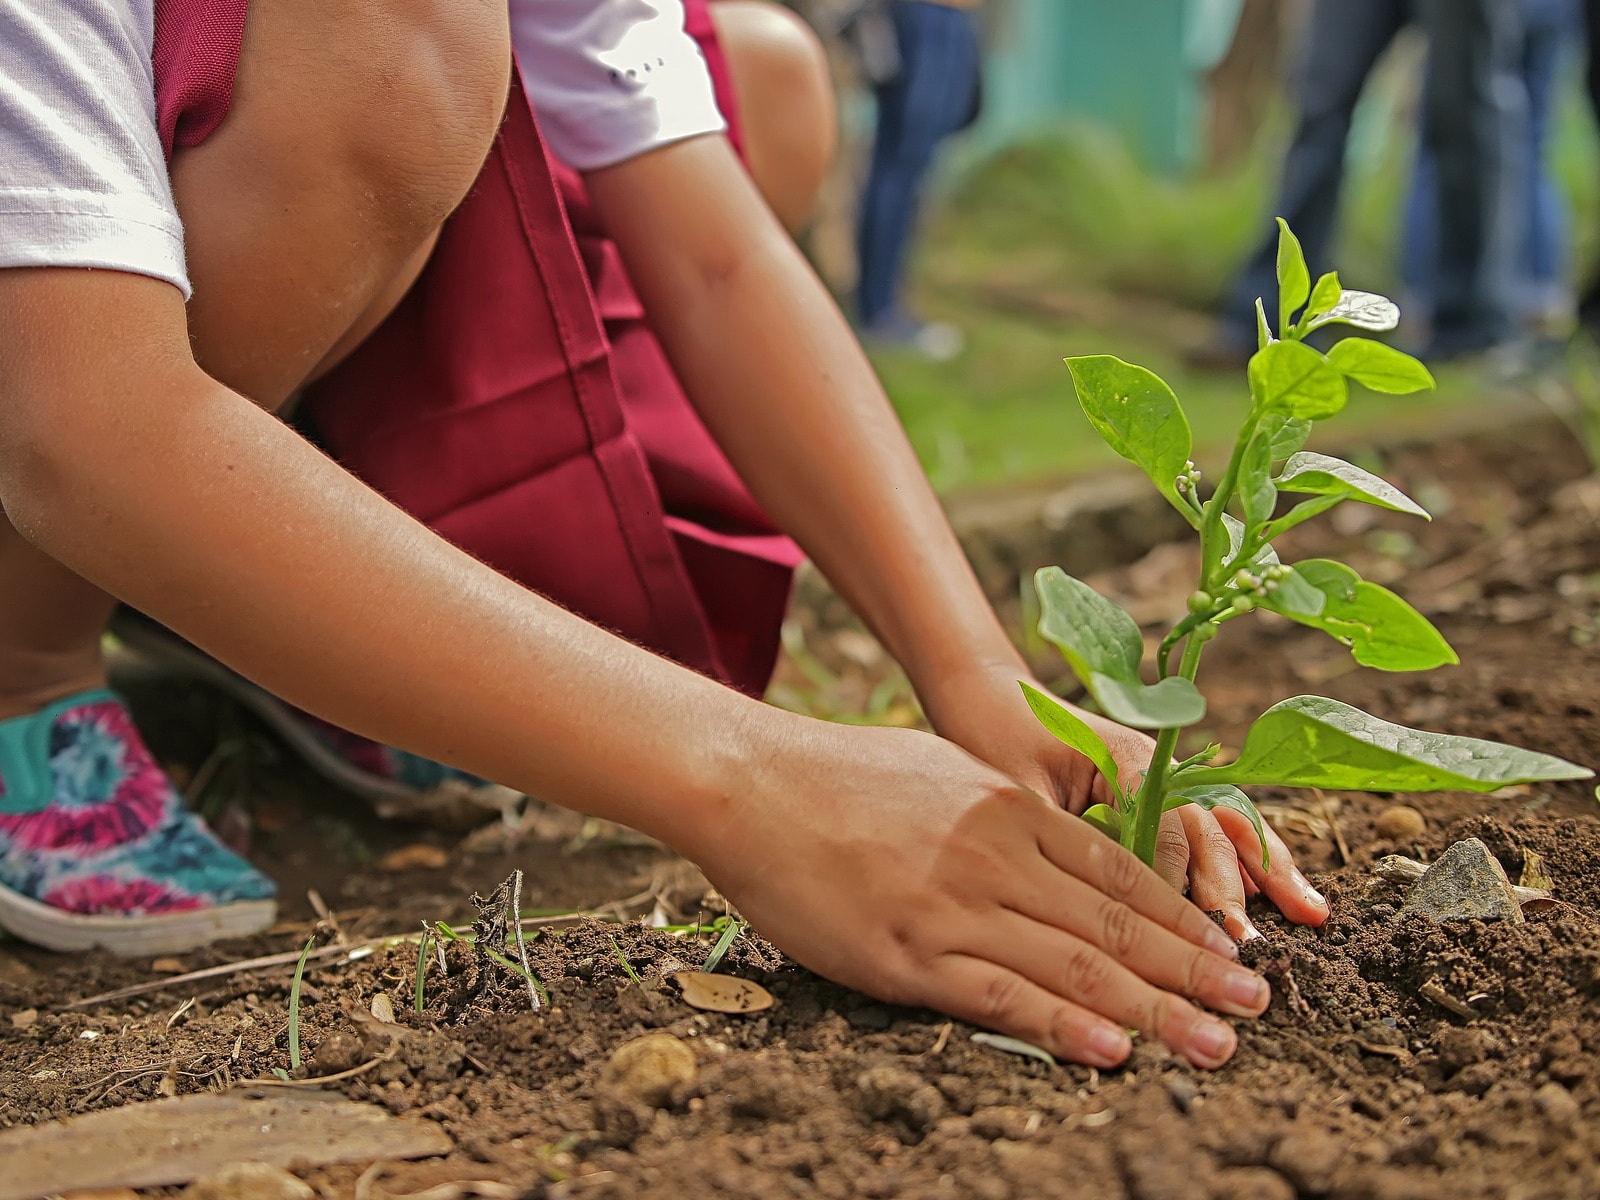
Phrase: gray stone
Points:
(1467, 883)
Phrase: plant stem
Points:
(1147, 803)
(1211, 554)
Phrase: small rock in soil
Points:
(1467, 883)
(1458, 1048)
(250, 1181)
(1401, 823)
(648, 1068)
(341, 1050)
(1557, 1104)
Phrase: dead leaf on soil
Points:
(722, 993)
(166, 1142)
(419, 856)
(1533, 873)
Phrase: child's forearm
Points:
(184, 499)
(784, 386)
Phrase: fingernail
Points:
(1251, 933)
(1313, 895)
(1212, 1042)
(1108, 1046)
(1218, 942)
(1243, 992)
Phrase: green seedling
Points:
(622, 958)
(419, 998)
(1305, 741)
(730, 934)
(294, 1003)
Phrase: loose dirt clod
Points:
(1467, 883)
(648, 1068)
(1400, 823)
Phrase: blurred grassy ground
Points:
(1064, 246)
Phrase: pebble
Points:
(648, 1068)
(1401, 823)
(341, 1050)
(1557, 1104)
(250, 1181)
(1467, 883)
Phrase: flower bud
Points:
(1200, 603)
(1243, 603)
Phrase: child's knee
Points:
(786, 102)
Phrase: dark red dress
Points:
(517, 402)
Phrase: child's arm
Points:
(889, 860)
(784, 386)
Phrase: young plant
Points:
(1306, 741)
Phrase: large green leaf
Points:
(1381, 629)
(1067, 727)
(1311, 741)
(1106, 819)
(1294, 281)
(1292, 378)
(1103, 646)
(1286, 434)
(1222, 795)
(1321, 475)
(1379, 367)
(1137, 415)
(1364, 310)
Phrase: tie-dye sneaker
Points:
(398, 784)
(97, 849)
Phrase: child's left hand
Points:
(1213, 855)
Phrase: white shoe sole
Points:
(127, 936)
(453, 802)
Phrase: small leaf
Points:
(1300, 514)
(1311, 741)
(1222, 795)
(1379, 367)
(1068, 728)
(1138, 416)
(1381, 629)
(1013, 1045)
(1292, 378)
(1296, 597)
(1257, 494)
(1321, 475)
(1324, 295)
(1287, 434)
(1103, 646)
(1264, 336)
(1364, 310)
(1106, 819)
(1294, 281)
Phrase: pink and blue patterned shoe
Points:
(97, 849)
(398, 784)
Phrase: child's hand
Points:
(1212, 855)
(894, 862)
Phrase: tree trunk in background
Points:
(1241, 87)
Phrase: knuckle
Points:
(1123, 874)
(1001, 998)
(1088, 974)
(1198, 973)
(1123, 931)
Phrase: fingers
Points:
(1283, 884)
(1172, 852)
(997, 998)
(1214, 878)
(1119, 876)
(1093, 979)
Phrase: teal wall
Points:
(1132, 65)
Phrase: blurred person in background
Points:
(1473, 115)
(1540, 291)
(923, 59)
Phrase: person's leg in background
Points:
(1589, 304)
(932, 97)
(786, 103)
(1474, 117)
(1343, 41)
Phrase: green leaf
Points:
(1381, 629)
(1067, 727)
(1257, 494)
(1106, 819)
(1137, 415)
(1264, 336)
(1294, 281)
(1222, 795)
(1379, 367)
(1321, 475)
(1311, 741)
(1296, 597)
(1292, 378)
(1324, 296)
(1300, 514)
(1103, 646)
(1287, 434)
(1364, 310)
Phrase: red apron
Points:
(517, 402)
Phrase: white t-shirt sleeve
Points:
(611, 79)
(83, 182)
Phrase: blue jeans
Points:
(1549, 26)
(933, 96)
(1343, 42)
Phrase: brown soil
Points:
(1367, 1078)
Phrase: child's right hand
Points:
(896, 863)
